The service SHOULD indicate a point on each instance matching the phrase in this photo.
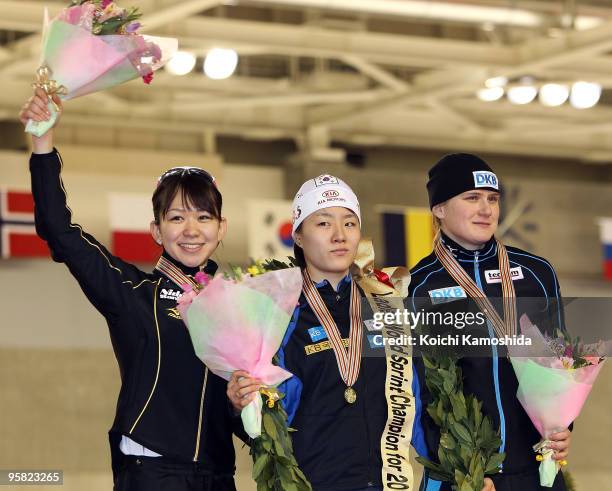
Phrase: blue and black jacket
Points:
(337, 444)
(490, 378)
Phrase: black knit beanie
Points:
(457, 173)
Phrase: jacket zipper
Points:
(500, 409)
(158, 358)
(197, 447)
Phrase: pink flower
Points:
(202, 278)
(186, 287)
(105, 3)
(155, 52)
(568, 351)
(186, 298)
(556, 363)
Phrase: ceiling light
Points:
(523, 93)
(181, 63)
(553, 94)
(585, 95)
(220, 63)
(490, 94)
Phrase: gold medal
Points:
(350, 395)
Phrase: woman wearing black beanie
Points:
(464, 196)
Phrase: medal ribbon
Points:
(174, 274)
(348, 363)
(501, 327)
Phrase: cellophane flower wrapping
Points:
(84, 62)
(551, 393)
(239, 325)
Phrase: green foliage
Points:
(274, 264)
(274, 466)
(258, 267)
(116, 24)
(468, 443)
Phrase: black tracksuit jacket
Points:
(169, 401)
(490, 378)
(337, 444)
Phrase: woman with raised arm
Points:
(173, 424)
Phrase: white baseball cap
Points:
(325, 191)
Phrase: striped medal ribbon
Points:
(349, 362)
(502, 327)
(174, 274)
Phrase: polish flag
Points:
(18, 237)
(130, 216)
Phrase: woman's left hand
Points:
(560, 444)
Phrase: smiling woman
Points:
(187, 212)
(173, 425)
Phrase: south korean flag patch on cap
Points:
(485, 179)
(325, 179)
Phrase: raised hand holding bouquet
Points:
(555, 377)
(93, 45)
(238, 323)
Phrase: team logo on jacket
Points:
(448, 294)
(317, 333)
(485, 179)
(174, 313)
(494, 276)
(169, 294)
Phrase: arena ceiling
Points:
(358, 72)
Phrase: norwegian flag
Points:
(130, 215)
(18, 237)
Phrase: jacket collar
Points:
(342, 284)
(330, 296)
(463, 254)
(210, 268)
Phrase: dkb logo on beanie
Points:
(485, 179)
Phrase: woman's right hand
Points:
(488, 484)
(242, 389)
(36, 109)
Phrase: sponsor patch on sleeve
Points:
(317, 333)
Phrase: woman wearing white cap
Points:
(336, 399)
